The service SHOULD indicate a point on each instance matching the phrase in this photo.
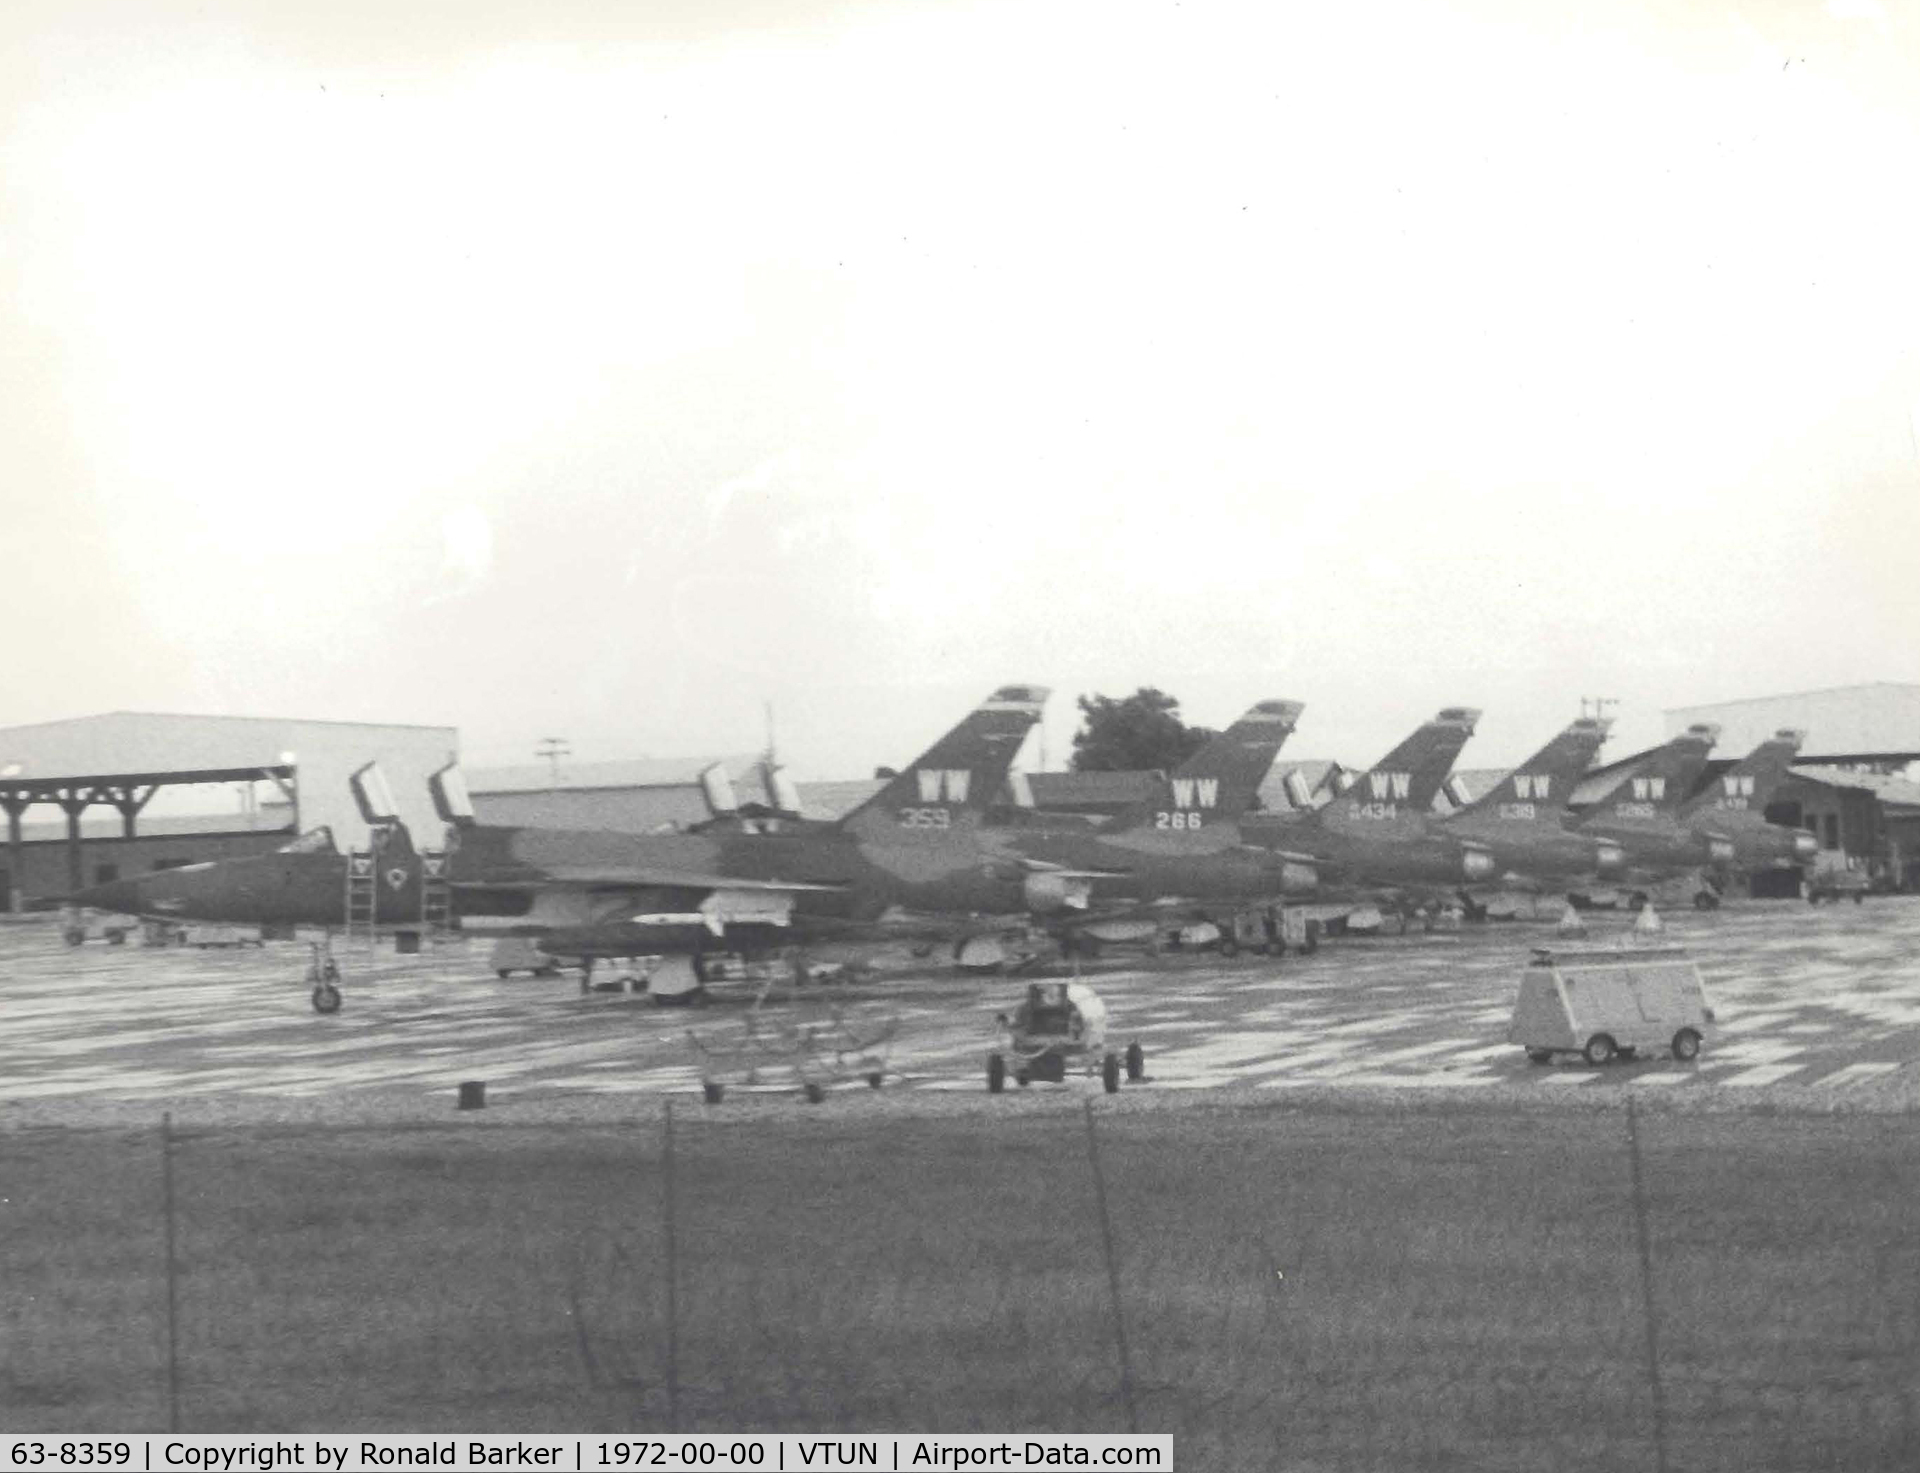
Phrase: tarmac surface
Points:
(1823, 997)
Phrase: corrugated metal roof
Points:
(837, 799)
(645, 772)
(1877, 719)
(1894, 791)
(125, 743)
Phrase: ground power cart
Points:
(1060, 1026)
(1611, 1004)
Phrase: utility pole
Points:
(553, 749)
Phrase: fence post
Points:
(673, 1274)
(1113, 1272)
(1646, 1290)
(173, 1291)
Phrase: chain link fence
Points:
(1276, 1283)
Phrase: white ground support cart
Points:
(1611, 1003)
(827, 1048)
(1059, 1024)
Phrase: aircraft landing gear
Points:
(323, 977)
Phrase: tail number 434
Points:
(926, 818)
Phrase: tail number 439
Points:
(926, 818)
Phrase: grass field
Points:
(1299, 1286)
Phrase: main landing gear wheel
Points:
(1686, 1045)
(1540, 1055)
(326, 998)
(1599, 1050)
(1136, 1062)
(1110, 1073)
(713, 1092)
(1229, 946)
(996, 1074)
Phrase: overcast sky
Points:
(605, 371)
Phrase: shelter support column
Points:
(73, 805)
(16, 805)
(130, 801)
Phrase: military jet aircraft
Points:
(1379, 838)
(1642, 817)
(1181, 843)
(1731, 811)
(1523, 820)
(911, 848)
(1369, 845)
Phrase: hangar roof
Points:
(1894, 792)
(645, 772)
(1880, 721)
(124, 744)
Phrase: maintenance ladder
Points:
(363, 899)
(436, 896)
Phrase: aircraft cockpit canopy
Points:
(783, 796)
(716, 786)
(450, 797)
(373, 795)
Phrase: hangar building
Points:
(1847, 787)
(120, 761)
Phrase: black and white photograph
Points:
(772, 734)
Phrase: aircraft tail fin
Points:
(1223, 777)
(1749, 785)
(1409, 777)
(1664, 781)
(962, 773)
(1546, 780)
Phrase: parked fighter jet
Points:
(1523, 821)
(1181, 844)
(1731, 811)
(1380, 834)
(1642, 816)
(911, 847)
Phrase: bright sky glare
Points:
(611, 371)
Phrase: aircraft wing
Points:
(569, 878)
(1041, 866)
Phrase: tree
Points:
(1134, 734)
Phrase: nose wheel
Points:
(323, 977)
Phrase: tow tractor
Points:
(1060, 1025)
